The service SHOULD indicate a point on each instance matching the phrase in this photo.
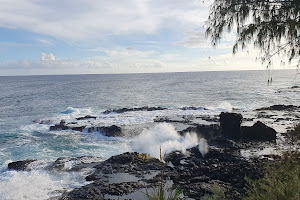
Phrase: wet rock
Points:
(178, 119)
(258, 132)
(231, 125)
(90, 192)
(86, 117)
(122, 110)
(206, 131)
(227, 145)
(133, 163)
(280, 108)
(60, 126)
(78, 128)
(119, 189)
(194, 108)
(217, 166)
(45, 121)
(74, 163)
(20, 165)
(174, 157)
(110, 131)
(125, 158)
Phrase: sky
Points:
(99, 36)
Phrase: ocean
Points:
(25, 101)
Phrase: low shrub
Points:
(281, 180)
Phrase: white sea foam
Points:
(165, 136)
(35, 127)
(27, 185)
(38, 184)
(222, 107)
(132, 118)
(70, 110)
(4, 165)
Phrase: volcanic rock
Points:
(20, 165)
(110, 131)
(231, 125)
(60, 126)
(280, 108)
(258, 132)
(206, 131)
(86, 117)
(122, 110)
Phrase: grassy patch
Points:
(161, 192)
(218, 193)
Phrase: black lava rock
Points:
(20, 165)
(258, 132)
(231, 125)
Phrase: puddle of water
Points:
(122, 177)
(140, 194)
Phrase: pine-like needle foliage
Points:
(273, 26)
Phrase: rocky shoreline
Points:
(226, 138)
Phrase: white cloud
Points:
(198, 39)
(134, 61)
(47, 57)
(44, 42)
(195, 39)
(93, 19)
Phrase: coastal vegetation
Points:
(272, 26)
(281, 180)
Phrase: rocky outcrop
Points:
(122, 110)
(20, 165)
(110, 131)
(258, 132)
(86, 117)
(206, 131)
(60, 164)
(231, 125)
(188, 171)
(133, 164)
(194, 108)
(280, 108)
(231, 128)
(60, 126)
(74, 163)
(195, 175)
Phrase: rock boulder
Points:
(258, 132)
(231, 125)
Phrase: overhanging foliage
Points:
(272, 26)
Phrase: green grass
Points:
(218, 193)
(161, 192)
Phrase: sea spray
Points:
(39, 184)
(203, 147)
(165, 136)
(27, 185)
